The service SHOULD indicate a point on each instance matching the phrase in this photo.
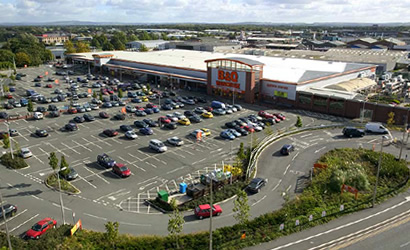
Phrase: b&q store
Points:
(248, 77)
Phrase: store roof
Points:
(353, 85)
(293, 70)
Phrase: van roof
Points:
(155, 140)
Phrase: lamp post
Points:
(362, 114)
(8, 134)
(378, 171)
(210, 216)
(404, 134)
(5, 222)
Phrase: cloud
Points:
(212, 11)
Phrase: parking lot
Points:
(151, 171)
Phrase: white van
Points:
(157, 145)
(376, 128)
(38, 115)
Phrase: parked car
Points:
(353, 132)
(40, 228)
(164, 120)
(126, 128)
(140, 113)
(150, 122)
(130, 134)
(88, 117)
(287, 149)
(227, 135)
(255, 185)
(105, 161)
(41, 133)
(146, 131)
(120, 117)
(374, 127)
(204, 211)
(140, 124)
(171, 125)
(104, 115)
(71, 126)
(9, 210)
(121, 170)
(68, 173)
(25, 153)
(157, 145)
(175, 141)
(79, 119)
(110, 132)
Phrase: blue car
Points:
(149, 111)
(136, 100)
(132, 95)
(23, 102)
(12, 89)
(227, 135)
(156, 110)
(146, 131)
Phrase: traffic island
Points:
(15, 163)
(67, 187)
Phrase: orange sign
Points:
(350, 190)
(77, 226)
(243, 236)
(198, 136)
(123, 110)
(46, 72)
(90, 91)
(56, 81)
(227, 76)
(25, 65)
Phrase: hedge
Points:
(65, 185)
(16, 163)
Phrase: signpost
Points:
(77, 226)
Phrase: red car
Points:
(49, 86)
(121, 170)
(110, 91)
(9, 96)
(209, 109)
(110, 132)
(265, 114)
(277, 120)
(72, 111)
(203, 211)
(280, 116)
(249, 129)
(41, 228)
(151, 105)
(164, 119)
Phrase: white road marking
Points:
(12, 218)
(92, 185)
(320, 149)
(287, 190)
(277, 185)
(110, 194)
(344, 225)
(135, 165)
(103, 141)
(81, 145)
(17, 227)
(95, 216)
(96, 174)
(133, 156)
(371, 141)
(92, 143)
(71, 148)
(196, 162)
(147, 155)
(58, 205)
(303, 136)
(258, 201)
(286, 170)
(151, 164)
(58, 150)
(176, 169)
(296, 155)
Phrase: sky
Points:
(209, 11)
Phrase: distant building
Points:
(285, 46)
(52, 38)
(199, 44)
(362, 43)
(322, 45)
(83, 38)
(150, 44)
(370, 43)
(57, 51)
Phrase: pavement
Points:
(106, 197)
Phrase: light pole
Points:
(10, 141)
(362, 114)
(61, 198)
(5, 222)
(378, 171)
(210, 217)
(404, 134)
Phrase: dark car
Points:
(256, 184)
(140, 124)
(71, 126)
(52, 107)
(269, 121)
(126, 128)
(149, 111)
(150, 122)
(195, 118)
(88, 117)
(110, 132)
(68, 173)
(189, 113)
(230, 124)
(353, 132)
(287, 149)
(241, 130)
(79, 119)
(104, 115)
(4, 115)
(54, 114)
(119, 117)
(41, 109)
(201, 99)
(167, 107)
(41, 133)
(9, 210)
(146, 131)
(171, 125)
(105, 161)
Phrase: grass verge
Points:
(66, 186)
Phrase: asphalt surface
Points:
(106, 197)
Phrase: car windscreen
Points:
(253, 184)
(36, 227)
(123, 169)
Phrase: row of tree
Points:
(26, 50)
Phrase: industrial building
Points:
(247, 77)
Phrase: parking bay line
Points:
(65, 145)
(17, 227)
(81, 145)
(58, 150)
(12, 218)
(96, 174)
(163, 162)
(110, 194)
(98, 139)
(92, 143)
(133, 156)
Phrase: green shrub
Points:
(52, 181)
(16, 163)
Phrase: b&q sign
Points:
(228, 79)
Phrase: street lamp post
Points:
(404, 134)
(11, 144)
(5, 222)
(378, 171)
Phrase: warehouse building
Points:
(247, 77)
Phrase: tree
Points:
(82, 47)
(69, 47)
(22, 59)
(241, 208)
(53, 161)
(132, 37)
(30, 106)
(390, 119)
(95, 43)
(176, 222)
(94, 94)
(148, 87)
(108, 46)
(117, 43)
(111, 232)
(298, 123)
(63, 162)
(120, 93)
(241, 152)
(143, 48)
(6, 141)
(6, 56)
(101, 96)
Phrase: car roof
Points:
(44, 221)
(204, 206)
(257, 180)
